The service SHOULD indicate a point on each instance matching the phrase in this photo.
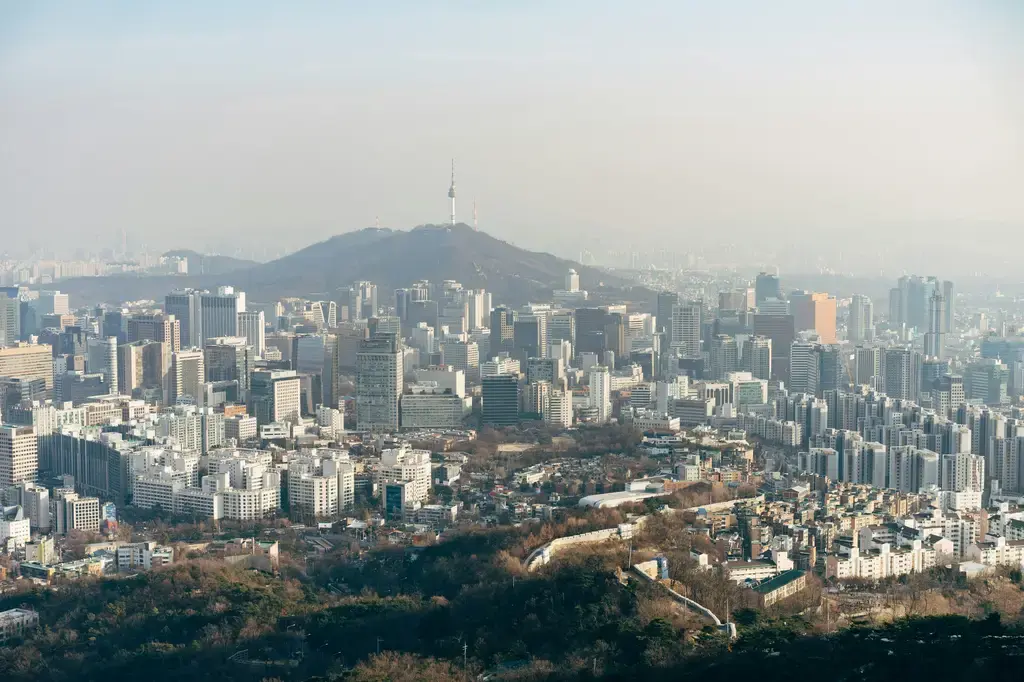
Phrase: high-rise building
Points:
(159, 327)
(187, 375)
(28, 361)
(663, 315)
(503, 322)
(600, 393)
(804, 367)
(685, 330)
(815, 312)
(559, 408)
(500, 400)
(935, 337)
(868, 366)
(220, 314)
(10, 316)
(274, 396)
(530, 336)
(19, 455)
(186, 307)
(103, 360)
(253, 326)
(724, 355)
(767, 286)
(861, 325)
(231, 358)
(462, 355)
(986, 381)
(948, 296)
(901, 373)
(782, 332)
(591, 326)
(757, 356)
(379, 374)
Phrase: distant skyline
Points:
(785, 132)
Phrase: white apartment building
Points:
(142, 555)
(997, 552)
(400, 465)
(600, 393)
(879, 561)
(313, 495)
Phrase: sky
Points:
(863, 134)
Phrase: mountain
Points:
(389, 258)
(199, 263)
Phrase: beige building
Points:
(19, 455)
(28, 361)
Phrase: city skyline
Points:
(263, 128)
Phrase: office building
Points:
(780, 329)
(379, 375)
(724, 356)
(804, 366)
(274, 396)
(500, 399)
(69, 511)
(231, 358)
(767, 285)
(503, 322)
(463, 356)
(187, 375)
(861, 324)
(164, 328)
(757, 356)
(28, 361)
(253, 326)
(935, 337)
(685, 330)
(986, 381)
(103, 360)
(19, 455)
(10, 316)
(814, 312)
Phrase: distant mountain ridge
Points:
(389, 258)
(199, 263)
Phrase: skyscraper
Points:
(275, 396)
(781, 331)
(500, 400)
(685, 328)
(19, 455)
(861, 325)
(814, 311)
(186, 307)
(231, 358)
(165, 328)
(767, 286)
(600, 393)
(901, 371)
(503, 323)
(724, 355)
(935, 337)
(187, 375)
(219, 314)
(253, 326)
(757, 356)
(804, 367)
(10, 316)
(103, 360)
(379, 375)
(28, 361)
(663, 316)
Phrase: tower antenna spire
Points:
(451, 192)
(476, 226)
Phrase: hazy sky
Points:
(839, 126)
